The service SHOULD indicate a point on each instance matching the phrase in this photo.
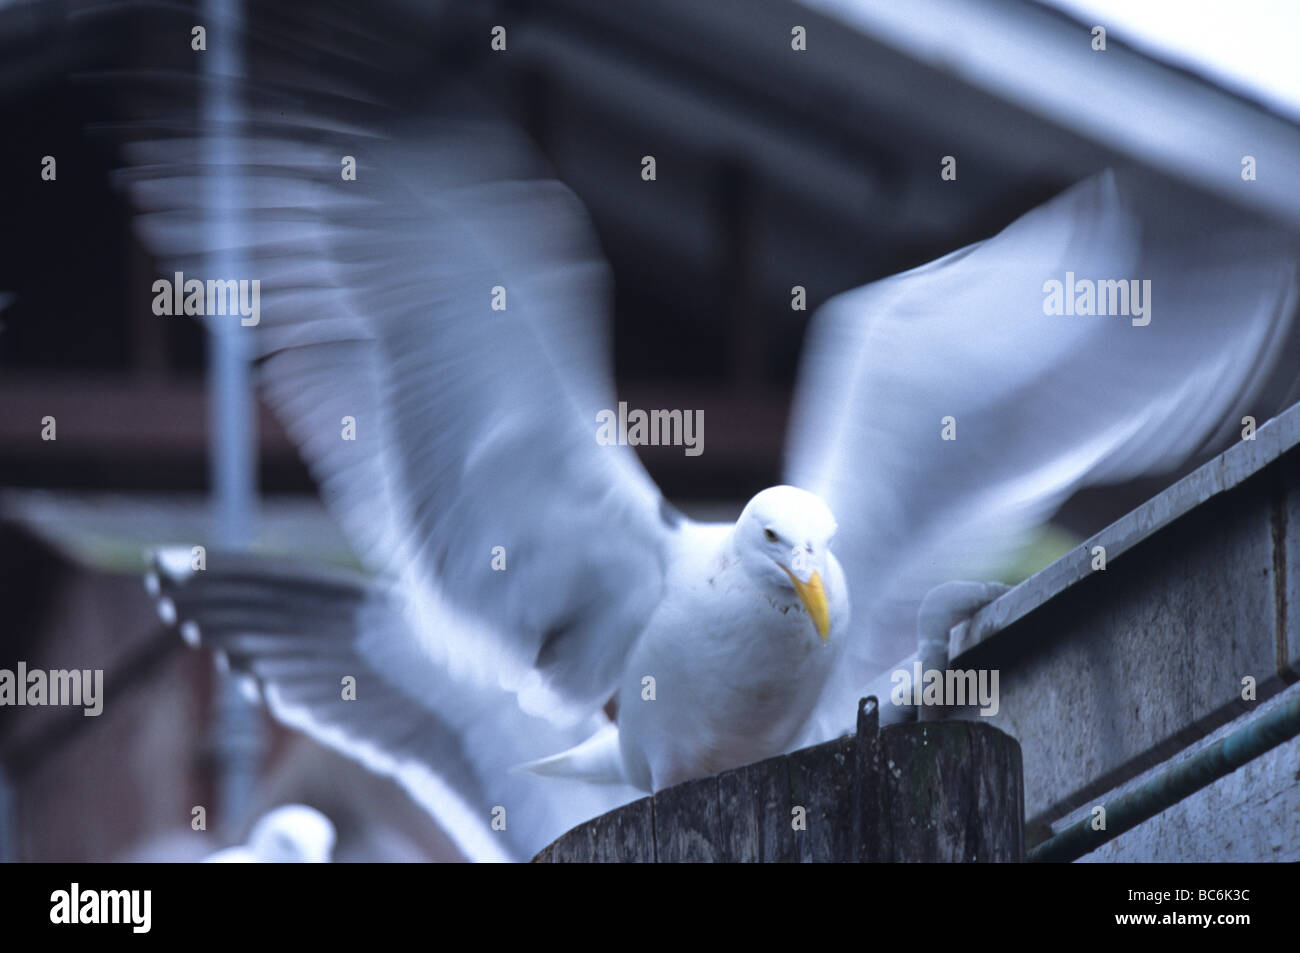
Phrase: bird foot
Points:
(945, 606)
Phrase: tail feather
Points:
(598, 760)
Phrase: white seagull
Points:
(735, 654)
(524, 574)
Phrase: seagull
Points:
(539, 635)
(746, 633)
(289, 834)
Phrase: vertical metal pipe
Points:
(237, 741)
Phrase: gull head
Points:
(783, 539)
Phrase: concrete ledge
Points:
(1226, 471)
(1104, 674)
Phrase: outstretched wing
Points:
(942, 413)
(451, 303)
(300, 632)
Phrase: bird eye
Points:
(771, 536)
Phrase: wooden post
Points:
(927, 791)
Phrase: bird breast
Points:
(725, 673)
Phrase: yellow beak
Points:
(813, 596)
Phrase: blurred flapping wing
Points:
(945, 412)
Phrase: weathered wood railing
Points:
(929, 791)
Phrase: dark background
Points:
(821, 171)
